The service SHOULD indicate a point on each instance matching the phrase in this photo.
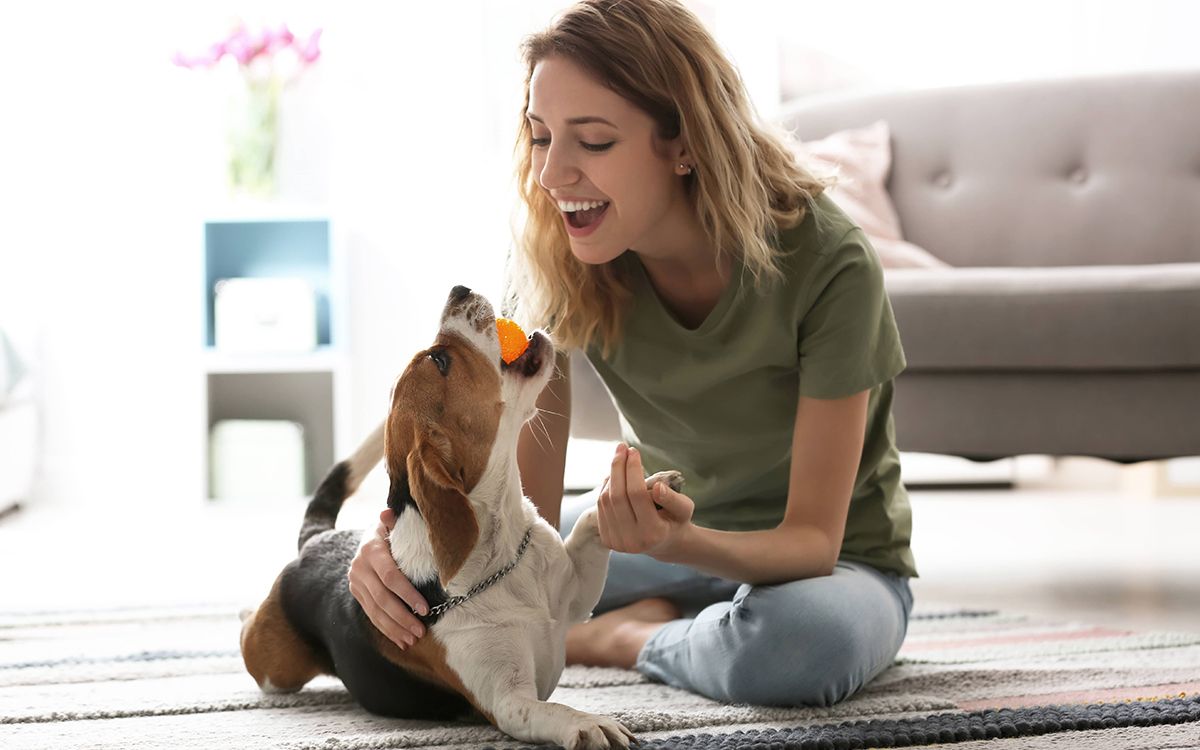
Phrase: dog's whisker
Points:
(531, 426)
(545, 430)
(533, 431)
(539, 415)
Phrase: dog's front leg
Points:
(523, 716)
(498, 674)
(589, 563)
(589, 556)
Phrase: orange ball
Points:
(512, 340)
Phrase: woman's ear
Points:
(681, 157)
(676, 152)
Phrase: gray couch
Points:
(1070, 322)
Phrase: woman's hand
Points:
(629, 520)
(383, 590)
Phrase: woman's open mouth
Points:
(583, 222)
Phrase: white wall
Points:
(110, 158)
(98, 253)
(927, 43)
(427, 97)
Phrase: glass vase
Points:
(253, 138)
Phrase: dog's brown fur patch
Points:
(440, 432)
(453, 528)
(274, 652)
(427, 659)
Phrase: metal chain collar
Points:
(454, 601)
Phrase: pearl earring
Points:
(685, 168)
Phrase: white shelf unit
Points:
(310, 388)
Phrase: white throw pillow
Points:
(862, 159)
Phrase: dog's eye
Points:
(440, 359)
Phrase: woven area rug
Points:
(173, 678)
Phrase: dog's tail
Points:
(341, 482)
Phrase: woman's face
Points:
(600, 158)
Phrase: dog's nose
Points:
(466, 305)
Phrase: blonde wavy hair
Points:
(745, 184)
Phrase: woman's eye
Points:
(540, 142)
(597, 146)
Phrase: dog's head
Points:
(456, 409)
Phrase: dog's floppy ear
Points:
(438, 493)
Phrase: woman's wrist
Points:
(677, 547)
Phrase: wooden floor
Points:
(1077, 538)
(1089, 544)
(1106, 559)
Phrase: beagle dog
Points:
(502, 585)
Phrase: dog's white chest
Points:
(411, 549)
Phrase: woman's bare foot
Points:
(614, 639)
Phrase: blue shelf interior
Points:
(268, 249)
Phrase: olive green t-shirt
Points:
(718, 402)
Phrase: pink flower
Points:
(206, 60)
(246, 47)
(241, 45)
(311, 49)
(279, 39)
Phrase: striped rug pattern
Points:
(143, 678)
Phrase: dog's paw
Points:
(593, 732)
(673, 479)
(588, 522)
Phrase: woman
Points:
(740, 321)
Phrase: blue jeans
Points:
(812, 642)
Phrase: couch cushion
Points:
(1097, 170)
(1065, 318)
(861, 159)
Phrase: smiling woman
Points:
(609, 153)
(740, 323)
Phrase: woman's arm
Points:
(542, 447)
(827, 447)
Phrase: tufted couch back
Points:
(1087, 171)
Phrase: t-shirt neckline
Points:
(714, 317)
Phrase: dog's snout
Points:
(473, 309)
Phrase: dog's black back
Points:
(318, 603)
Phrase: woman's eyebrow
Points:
(576, 120)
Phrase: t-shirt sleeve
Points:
(848, 340)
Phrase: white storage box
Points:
(268, 315)
(257, 459)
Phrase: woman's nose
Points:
(557, 170)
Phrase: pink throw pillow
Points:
(862, 159)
